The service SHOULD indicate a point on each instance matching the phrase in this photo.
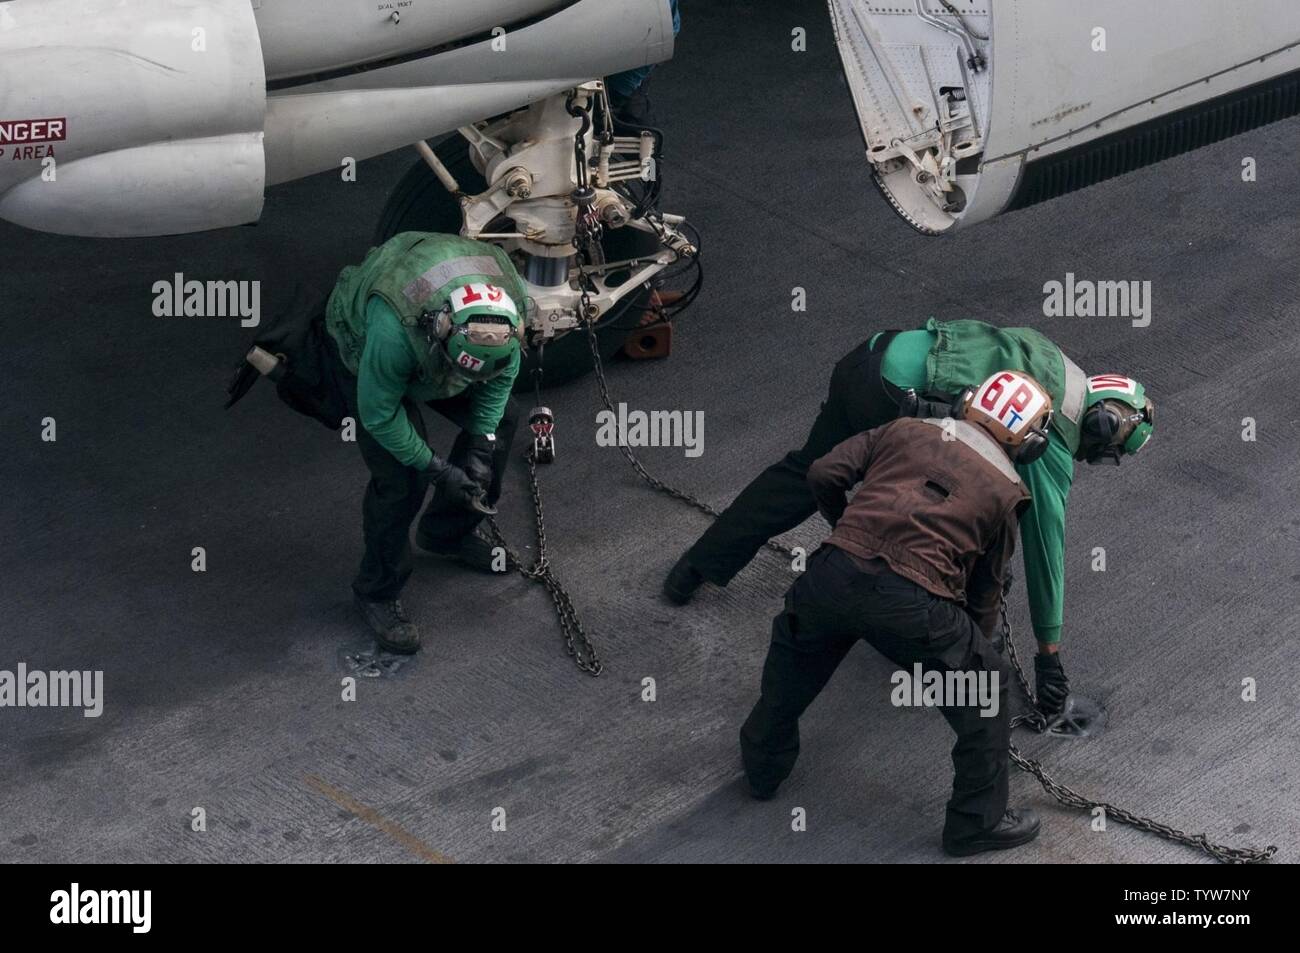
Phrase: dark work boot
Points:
(682, 582)
(393, 630)
(472, 551)
(1018, 826)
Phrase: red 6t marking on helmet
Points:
(469, 361)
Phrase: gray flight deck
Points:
(222, 689)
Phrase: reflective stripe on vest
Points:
(1076, 390)
(978, 440)
(422, 288)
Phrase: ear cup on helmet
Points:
(1101, 424)
(1036, 441)
(1033, 447)
(438, 322)
(1112, 429)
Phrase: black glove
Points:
(478, 460)
(833, 518)
(452, 483)
(1051, 683)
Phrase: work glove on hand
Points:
(478, 460)
(832, 519)
(1051, 683)
(452, 483)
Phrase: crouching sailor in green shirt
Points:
(919, 373)
(434, 320)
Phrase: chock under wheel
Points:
(651, 340)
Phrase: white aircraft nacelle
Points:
(152, 117)
(970, 108)
(130, 118)
(300, 39)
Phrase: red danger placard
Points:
(28, 131)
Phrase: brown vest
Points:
(935, 497)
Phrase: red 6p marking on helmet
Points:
(1014, 409)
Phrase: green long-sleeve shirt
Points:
(1042, 526)
(389, 371)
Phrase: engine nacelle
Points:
(130, 118)
(970, 108)
(152, 117)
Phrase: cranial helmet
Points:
(479, 328)
(1117, 419)
(1014, 409)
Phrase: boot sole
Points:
(983, 846)
(394, 648)
(382, 642)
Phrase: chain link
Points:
(655, 483)
(580, 648)
(1032, 718)
(587, 232)
(1035, 720)
(576, 642)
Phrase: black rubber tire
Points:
(420, 203)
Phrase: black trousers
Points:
(830, 607)
(779, 499)
(396, 493)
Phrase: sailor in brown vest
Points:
(915, 565)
